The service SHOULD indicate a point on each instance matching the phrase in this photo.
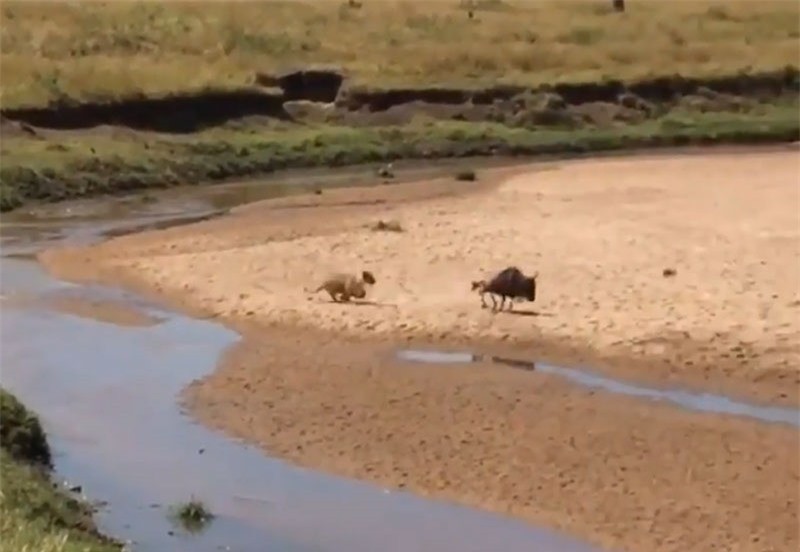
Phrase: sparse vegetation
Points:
(466, 175)
(387, 226)
(64, 166)
(192, 516)
(55, 50)
(34, 515)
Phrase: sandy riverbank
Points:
(599, 232)
(623, 473)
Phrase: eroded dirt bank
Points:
(314, 382)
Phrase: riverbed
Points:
(622, 457)
(107, 391)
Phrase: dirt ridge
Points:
(193, 111)
(660, 89)
(179, 113)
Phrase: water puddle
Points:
(107, 395)
(699, 402)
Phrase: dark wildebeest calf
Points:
(509, 283)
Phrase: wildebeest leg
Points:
(502, 302)
(494, 302)
(333, 296)
(495, 308)
(510, 304)
(483, 300)
(345, 297)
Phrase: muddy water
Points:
(700, 402)
(107, 396)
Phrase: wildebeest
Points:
(509, 283)
(346, 286)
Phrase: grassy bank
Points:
(115, 51)
(35, 516)
(89, 51)
(58, 165)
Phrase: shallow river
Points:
(107, 394)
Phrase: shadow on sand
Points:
(524, 312)
(362, 304)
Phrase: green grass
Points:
(21, 433)
(90, 50)
(35, 516)
(64, 166)
(113, 50)
(192, 516)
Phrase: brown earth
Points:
(314, 381)
(319, 96)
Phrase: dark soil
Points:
(177, 114)
(310, 93)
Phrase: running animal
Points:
(347, 286)
(509, 283)
(480, 287)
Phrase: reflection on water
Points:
(701, 402)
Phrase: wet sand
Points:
(622, 473)
(309, 385)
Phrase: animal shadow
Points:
(524, 312)
(362, 304)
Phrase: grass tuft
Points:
(466, 176)
(192, 516)
(21, 433)
(387, 226)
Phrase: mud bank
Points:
(624, 473)
(190, 112)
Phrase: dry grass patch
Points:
(89, 50)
